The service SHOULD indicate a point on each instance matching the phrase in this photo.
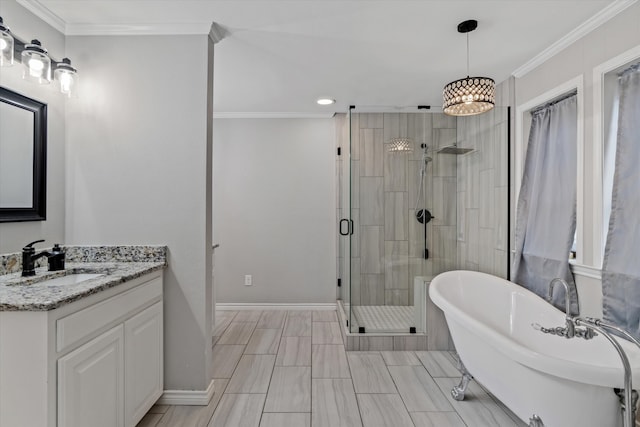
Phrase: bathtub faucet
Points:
(627, 396)
(570, 329)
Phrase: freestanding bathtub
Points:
(566, 382)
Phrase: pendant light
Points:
(471, 95)
(36, 63)
(6, 46)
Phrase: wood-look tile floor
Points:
(290, 369)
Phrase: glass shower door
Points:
(344, 214)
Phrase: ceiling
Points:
(280, 56)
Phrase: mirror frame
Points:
(38, 209)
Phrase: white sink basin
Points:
(70, 279)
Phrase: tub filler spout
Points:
(570, 328)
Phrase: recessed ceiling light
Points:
(325, 101)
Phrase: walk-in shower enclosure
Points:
(406, 215)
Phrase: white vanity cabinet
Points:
(94, 362)
(143, 363)
(91, 383)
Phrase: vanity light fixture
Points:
(6, 46)
(325, 101)
(66, 77)
(36, 65)
(471, 95)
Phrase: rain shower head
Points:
(454, 149)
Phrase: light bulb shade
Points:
(66, 77)
(6, 46)
(36, 65)
(400, 145)
(469, 96)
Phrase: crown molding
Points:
(267, 115)
(197, 28)
(42, 12)
(583, 29)
(217, 32)
(194, 28)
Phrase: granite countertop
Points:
(19, 293)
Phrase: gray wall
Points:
(13, 236)
(274, 210)
(137, 173)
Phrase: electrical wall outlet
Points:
(248, 280)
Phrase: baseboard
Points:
(187, 397)
(251, 306)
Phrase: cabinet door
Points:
(91, 383)
(143, 362)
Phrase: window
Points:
(605, 131)
(523, 124)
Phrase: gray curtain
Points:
(621, 267)
(546, 215)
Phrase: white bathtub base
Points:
(557, 401)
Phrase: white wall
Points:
(274, 217)
(608, 41)
(14, 235)
(137, 173)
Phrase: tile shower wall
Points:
(482, 189)
(387, 247)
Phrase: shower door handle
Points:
(351, 226)
(346, 233)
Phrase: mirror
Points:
(23, 158)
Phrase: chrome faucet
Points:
(628, 396)
(570, 329)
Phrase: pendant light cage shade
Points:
(36, 65)
(400, 145)
(6, 46)
(66, 77)
(469, 96)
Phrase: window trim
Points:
(599, 73)
(522, 111)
